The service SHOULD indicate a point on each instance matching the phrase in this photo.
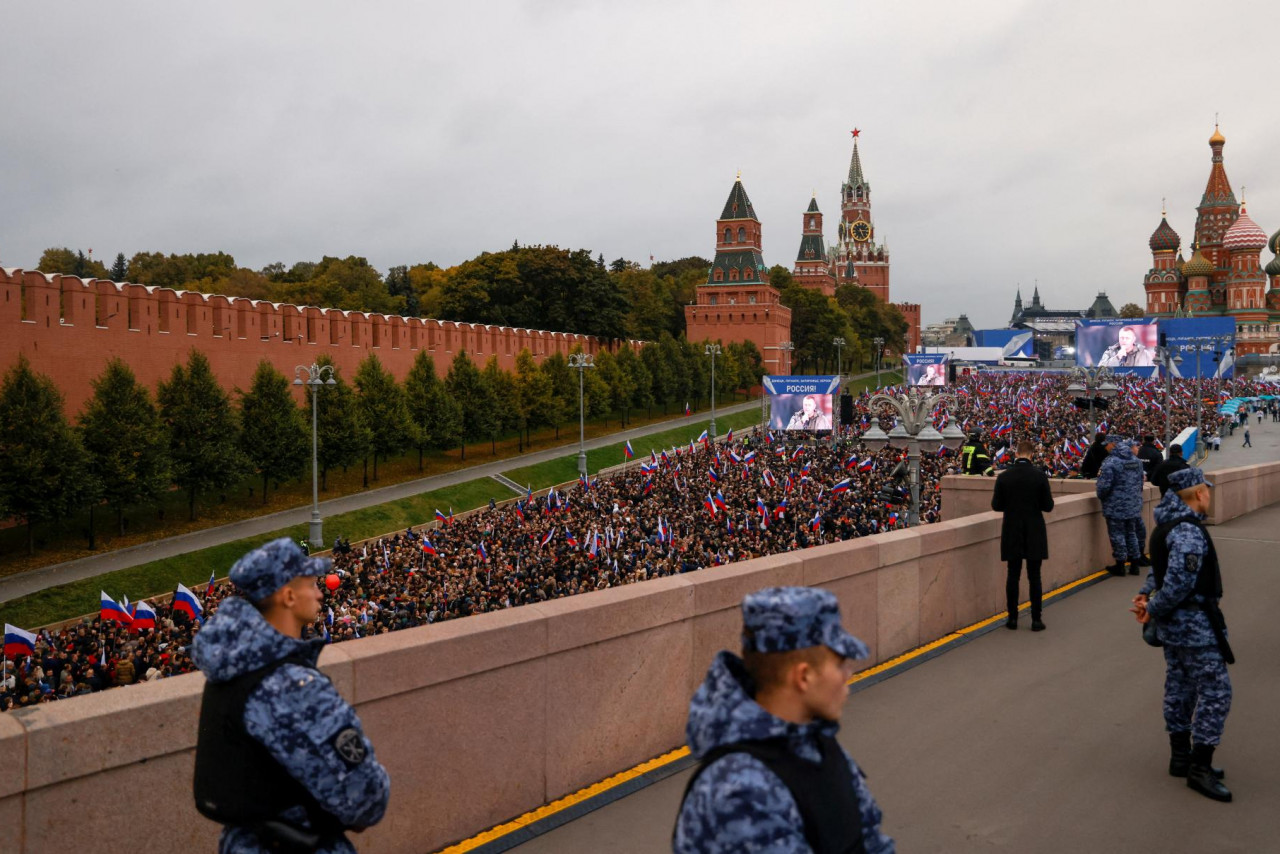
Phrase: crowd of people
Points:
(702, 505)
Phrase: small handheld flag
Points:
(687, 410)
(427, 547)
(144, 617)
(550, 534)
(481, 551)
(440, 517)
(627, 450)
(113, 611)
(185, 601)
(18, 642)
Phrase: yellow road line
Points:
(665, 759)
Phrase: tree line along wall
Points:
(69, 327)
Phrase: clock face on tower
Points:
(861, 231)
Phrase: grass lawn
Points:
(162, 576)
(564, 469)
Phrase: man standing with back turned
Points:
(281, 759)
(1120, 488)
(772, 776)
(1181, 595)
(1022, 493)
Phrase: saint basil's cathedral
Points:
(1224, 275)
(738, 303)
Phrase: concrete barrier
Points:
(964, 495)
(1241, 490)
(482, 719)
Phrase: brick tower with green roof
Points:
(737, 303)
(812, 269)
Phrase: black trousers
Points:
(1033, 581)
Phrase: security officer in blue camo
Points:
(771, 776)
(281, 759)
(1181, 597)
(1119, 486)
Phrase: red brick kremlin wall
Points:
(69, 327)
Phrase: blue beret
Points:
(783, 619)
(1187, 478)
(269, 567)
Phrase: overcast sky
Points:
(1005, 142)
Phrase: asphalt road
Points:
(1044, 742)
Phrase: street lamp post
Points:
(878, 343)
(581, 361)
(316, 376)
(787, 347)
(839, 342)
(1215, 344)
(713, 350)
(1096, 382)
(915, 425)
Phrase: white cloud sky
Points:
(1005, 142)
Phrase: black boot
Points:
(1117, 568)
(1145, 560)
(1179, 753)
(1037, 625)
(1200, 776)
(1011, 622)
(1133, 567)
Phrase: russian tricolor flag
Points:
(570, 538)
(842, 486)
(186, 602)
(764, 511)
(867, 465)
(750, 455)
(427, 547)
(816, 522)
(703, 437)
(728, 437)
(114, 611)
(662, 528)
(144, 617)
(710, 505)
(549, 535)
(481, 551)
(18, 642)
(720, 502)
(852, 462)
(440, 517)
(711, 473)
(687, 410)
(627, 450)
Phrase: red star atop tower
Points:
(855, 132)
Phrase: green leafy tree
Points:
(750, 363)
(341, 436)
(564, 389)
(382, 410)
(42, 463)
(398, 285)
(1131, 310)
(680, 386)
(120, 269)
(203, 434)
(467, 387)
(124, 438)
(534, 395)
(641, 382)
(445, 423)
(502, 403)
(272, 435)
(698, 367)
(419, 386)
(661, 375)
(71, 262)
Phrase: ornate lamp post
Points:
(713, 350)
(315, 376)
(878, 343)
(1095, 382)
(787, 347)
(915, 425)
(581, 361)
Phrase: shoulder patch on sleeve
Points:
(349, 745)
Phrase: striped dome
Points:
(1244, 234)
(1197, 266)
(1164, 238)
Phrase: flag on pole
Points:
(18, 642)
(440, 517)
(427, 547)
(185, 601)
(816, 522)
(570, 538)
(627, 450)
(549, 536)
(842, 486)
(711, 473)
(720, 502)
(481, 551)
(728, 437)
(112, 610)
(702, 438)
(687, 410)
(144, 617)
(710, 505)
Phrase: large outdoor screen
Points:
(926, 368)
(1116, 343)
(801, 403)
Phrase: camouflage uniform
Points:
(737, 803)
(1197, 690)
(1119, 487)
(295, 712)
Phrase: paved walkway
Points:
(1264, 437)
(16, 586)
(1043, 742)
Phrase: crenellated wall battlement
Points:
(69, 327)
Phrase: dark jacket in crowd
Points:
(1094, 456)
(1160, 477)
(1120, 484)
(974, 458)
(1151, 457)
(1022, 494)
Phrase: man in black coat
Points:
(1160, 477)
(1094, 456)
(1022, 494)
(1150, 456)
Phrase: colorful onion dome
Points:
(1198, 265)
(1244, 234)
(1164, 238)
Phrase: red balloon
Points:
(332, 581)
